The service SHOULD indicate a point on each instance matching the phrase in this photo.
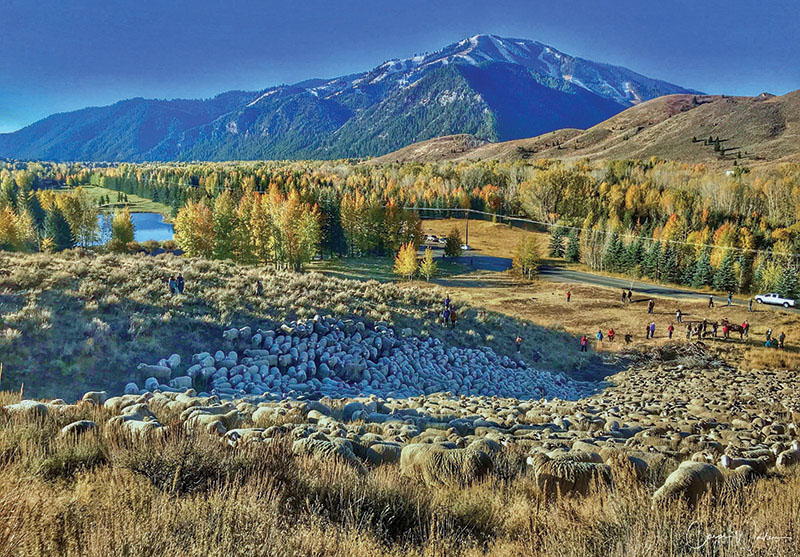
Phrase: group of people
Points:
(449, 313)
(176, 284)
(627, 296)
(772, 342)
(700, 329)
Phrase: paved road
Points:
(560, 274)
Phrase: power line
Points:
(603, 232)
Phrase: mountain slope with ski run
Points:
(494, 88)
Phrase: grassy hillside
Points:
(70, 323)
(763, 128)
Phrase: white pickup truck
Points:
(775, 300)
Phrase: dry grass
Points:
(592, 308)
(192, 495)
(485, 237)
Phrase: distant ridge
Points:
(676, 127)
(493, 88)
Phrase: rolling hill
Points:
(494, 88)
(678, 127)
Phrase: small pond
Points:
(146, 226)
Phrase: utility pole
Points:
(466, 235)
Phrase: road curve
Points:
(561, 274)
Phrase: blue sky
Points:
(64, 55)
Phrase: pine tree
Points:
(428, 268)
(725, 277)
(573, 252)
(405, 264)
(633, 256)
(57, 233)
(614, 254)
(703, 271)
(744, 278)
(556, 248)
(669, 267)
(788, 284)
(651, 260)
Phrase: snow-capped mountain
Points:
(493, 87)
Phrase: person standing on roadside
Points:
(750, 305)
(679, 316)
(711, 301)
(670, 330)
(569, 295)
(730, 298)
(650, 305)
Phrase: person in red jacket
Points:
(670, 329)
(611, 334)
(584, 344)
(569, 295)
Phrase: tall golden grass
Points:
(104, 494)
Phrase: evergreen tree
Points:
(744, 277)
(573, 252)
(703, 271)
(57, 233)
(669, 266)
(725, 276)
(556, 248)
(633, 256)
(788, 284)
(651, 260)
(34, 207)
(614, 255)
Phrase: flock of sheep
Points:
(445, 415)
(341, 358)
(710, 427)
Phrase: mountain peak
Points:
(495, 87)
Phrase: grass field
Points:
(485, 237)
(135, 203)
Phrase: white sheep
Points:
(437, 465)
(27, 409)
(565, 476)
(690, 482)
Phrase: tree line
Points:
(692, 212)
